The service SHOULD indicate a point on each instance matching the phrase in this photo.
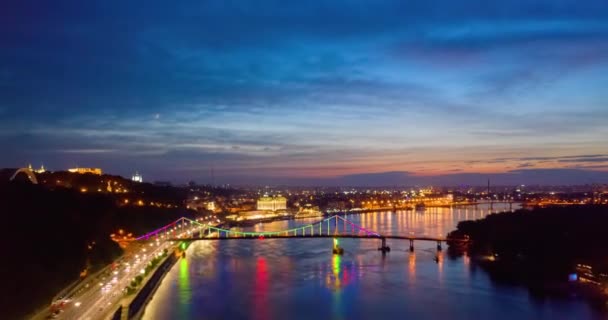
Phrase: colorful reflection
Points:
(260, 303)
(335, 283)
(340, 276)
(336, 263)
(332, 280)
(412, 267)
(439, 260)
(185, 292)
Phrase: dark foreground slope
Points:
(49, 236)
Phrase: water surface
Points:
(301, 279)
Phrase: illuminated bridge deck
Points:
(336, 226)
(345, 236)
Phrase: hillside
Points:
(47, 234)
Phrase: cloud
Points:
(404, 179)
(525, 165)
(86, 151)
(566, 158)
(307, 88)
(585, 159)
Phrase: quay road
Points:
(99, 295)
(105, 299)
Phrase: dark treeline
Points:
(50, 236)
(145, 191)
(538, 248)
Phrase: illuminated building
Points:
(255, 215)
(96, 171)
(272, 203)
(137, 177)
(308, 211)
(41, 170)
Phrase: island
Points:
(557, 251)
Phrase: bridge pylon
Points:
(384, 248)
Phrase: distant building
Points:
(255, 215)
(96, 171)
(272, 203)
(41, 170)
(308, 211)
(137, 177)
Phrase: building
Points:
(254, 215)
(137, 177)
(41, 170)
(309, 211)
(272, 203)
(96, 171)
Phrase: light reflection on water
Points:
(185, 293)
(301, 279)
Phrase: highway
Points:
(99, 295)
(104, 300)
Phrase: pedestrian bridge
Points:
(185, 229)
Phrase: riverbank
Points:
(250, 223)
(540, 249)
(142, 288)
(136, 304)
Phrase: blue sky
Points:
(270, 91)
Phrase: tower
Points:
(488, 187)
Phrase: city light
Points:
(468, 137)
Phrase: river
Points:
(301, 279)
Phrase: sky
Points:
(308, 92)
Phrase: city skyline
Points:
(340, 93)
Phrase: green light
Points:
(183, 246)
(337, 264)
(185, 295)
